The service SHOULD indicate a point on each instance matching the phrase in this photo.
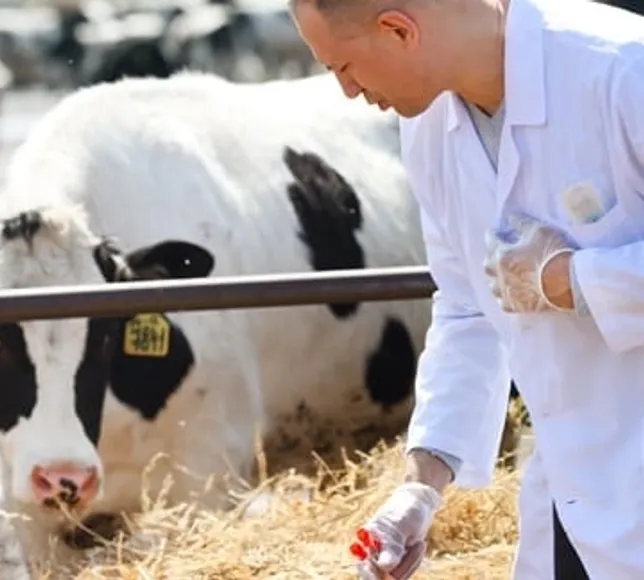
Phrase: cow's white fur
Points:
(197, 158)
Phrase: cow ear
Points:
(170, 259)
(111, 262)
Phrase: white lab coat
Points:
(574, 113)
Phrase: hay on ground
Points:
(296, 538)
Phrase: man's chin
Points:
(410, 110)
(407, 111)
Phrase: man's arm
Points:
(462, 382)
(611, 280)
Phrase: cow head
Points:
(54, 373)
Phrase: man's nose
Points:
(350, 88)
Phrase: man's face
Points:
(384, 58)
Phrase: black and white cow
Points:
(186, 177)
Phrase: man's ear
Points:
(167, 259)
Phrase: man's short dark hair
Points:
(354, 10)
(348, 8)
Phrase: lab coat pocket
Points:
(613, 229)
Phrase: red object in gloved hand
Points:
(370, 571)
(366, 545)
(358, 551)
(369, 540)
(412, 560)
(401, 525)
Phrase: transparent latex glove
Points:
(515, 263)
(393, 541)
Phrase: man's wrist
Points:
(555, 280)
(422, 466)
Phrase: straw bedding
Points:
(304, 528)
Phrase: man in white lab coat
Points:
(522, 126)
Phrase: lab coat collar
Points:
(525, 97)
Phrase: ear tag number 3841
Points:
(147, 335)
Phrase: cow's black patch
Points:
(18, 391)
(92, 375)
(25, 225)
(139, 380)
(329, 214)
(146, 383)
(391, 368)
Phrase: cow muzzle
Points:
(64, 486)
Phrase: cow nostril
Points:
(68, 485)
(91, 482)
(72, 491)
(40, 481)
(68, 491)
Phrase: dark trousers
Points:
(568, 566)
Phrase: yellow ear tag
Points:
(147, 335)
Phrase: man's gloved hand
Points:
(396, 534)
(516, 268)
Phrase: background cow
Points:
(186, 177)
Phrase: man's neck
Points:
(482, 80)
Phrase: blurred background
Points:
(51, 47)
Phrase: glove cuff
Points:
(540, 278)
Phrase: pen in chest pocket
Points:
(583, 204)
